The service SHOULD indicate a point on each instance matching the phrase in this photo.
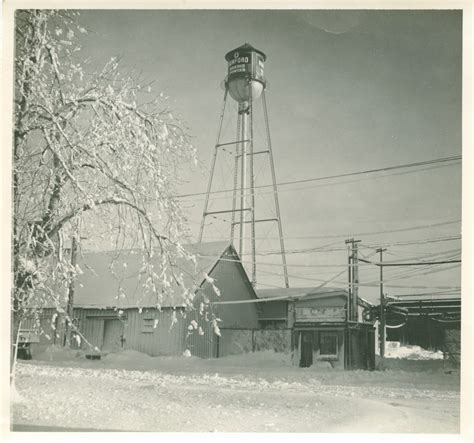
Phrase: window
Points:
(148, 325)
(328, 343)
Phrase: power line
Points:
(413, 228)
(335, 265)
(427, 294)
(421, 263)
(432, 255)
(348, 174)
(322, 249)
(417, 271)
(419, 274)
(368, 284)
(243, 262)
(346, 182)
(417, 242)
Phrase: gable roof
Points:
(123, 285)
(119, 280)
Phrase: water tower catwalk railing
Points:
(245, 83)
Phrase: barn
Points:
(320, 330)
(111, 312)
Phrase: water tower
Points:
(245, 83)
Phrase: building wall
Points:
(229, 277)
(336, 360)
(148, 331)
(201, 342)
(140, 331)
(233, 284)
(273, 340)
(241, 341)
(317, 310)
(360, 347)
(235, 342)
(47, 331)
(151, 331)
(273, 310)
(330, 301)
(164, 339)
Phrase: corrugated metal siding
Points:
(233, 284)
(163, 340)
(91, 325)
(48, 335)
(94, 331)
(203, 346)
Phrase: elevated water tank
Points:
(245, 78)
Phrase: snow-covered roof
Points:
(293, 293)
(364, 303)
(112, 280)
(100, 286)
(286, 294)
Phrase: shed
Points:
(113, 310)
(320, 329)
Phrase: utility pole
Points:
(353, 263)
(351, 316)
(382, 306)
(70, 297)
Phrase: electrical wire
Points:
(348, 235)
(422, 263)
(415, 242)
(426, 294)
(412, 273)
(345, 182)
(366, 284)
(321, 249)
(432, 271)
(330, 177)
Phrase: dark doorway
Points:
(113, 333)
(306, 349)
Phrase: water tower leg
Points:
(236, 179)
(243, 180)
(209, 185)
(275, 191)
(252, 197)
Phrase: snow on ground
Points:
(254, 392)
(393, 349)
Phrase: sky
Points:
(347, 91)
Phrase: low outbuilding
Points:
(320, 329)
(112, 311)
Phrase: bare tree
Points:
(97, 147)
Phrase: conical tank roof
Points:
(246, 47)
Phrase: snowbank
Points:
(56, 353)
(131, 359)
(406, 365)
(399, 359)
(393, 349)
(261, 359)
(126, 357)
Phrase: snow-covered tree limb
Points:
(90, 150)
